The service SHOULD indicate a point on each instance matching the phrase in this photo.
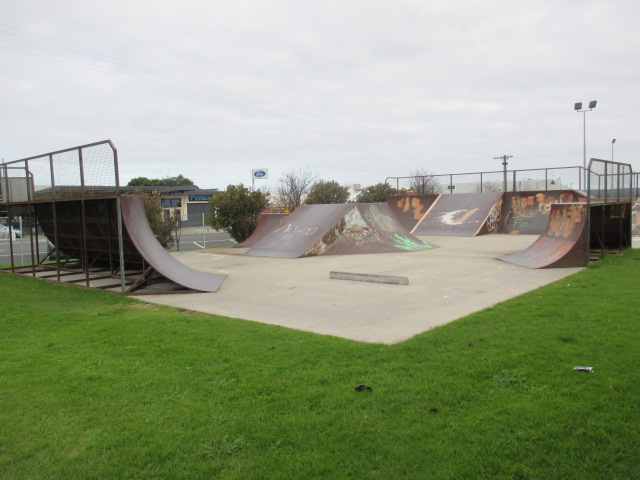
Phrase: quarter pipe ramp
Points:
(156, 257)
(528, 212)
(86, 232)
(564, 243)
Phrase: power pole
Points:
(504, 170)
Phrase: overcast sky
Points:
(356, 91)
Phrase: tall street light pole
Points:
(578, 108)
(612, 142)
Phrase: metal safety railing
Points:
(556, 178)
(610, 182)
(78, 172)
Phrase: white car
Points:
(4, 232)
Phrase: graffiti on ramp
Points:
(339, 229)
(528, 212)
(464, 215)
(564, 243)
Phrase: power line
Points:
(80, 57)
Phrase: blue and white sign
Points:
(260, 173)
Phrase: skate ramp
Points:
(409, 209)
(528, 212)
(564, 243)
(100, 231)
(266, 223)
(464, 214)
(157, 258)
(337, 229)
(94, 247)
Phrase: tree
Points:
(327, 192)
(161, 225)
(140, 182)
(489, 186)
(236, 210)
(293, 188)
(424, 182)
(179, 181)
(376, 193)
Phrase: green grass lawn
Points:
(99, 386)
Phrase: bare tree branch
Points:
(489, 186)
(424, 182)
(293, 187)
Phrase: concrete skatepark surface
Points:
(460, 277)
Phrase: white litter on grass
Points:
(584, 369)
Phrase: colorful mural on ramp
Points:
(528, 212)
(464, 215)
(337, 229)
(564, 243)
(409, 209)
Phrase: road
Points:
(21, 250)
(190, 240)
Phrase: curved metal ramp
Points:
(564, 243)
(337, 229)
(462, 214)
(156, 257)
(85, 233)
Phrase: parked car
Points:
(4, 232)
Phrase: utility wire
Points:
(79, 57)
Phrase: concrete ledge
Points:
(365, 277)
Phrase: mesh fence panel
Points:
(84, 171)
(40, 169)
(99, 166)
(15, 185)
(609, 182)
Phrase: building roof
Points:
(171, 190)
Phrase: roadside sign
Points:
(260, 173)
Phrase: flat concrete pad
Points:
(460, 277)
